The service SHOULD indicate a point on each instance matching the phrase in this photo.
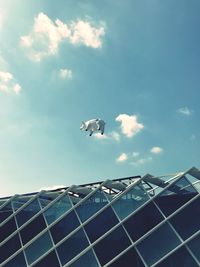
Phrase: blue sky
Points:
(133, 63)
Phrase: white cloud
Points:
(100, 136)
(141, 161)
(156, 150)
(111, 136)
(135, 154)
(123, 157)
(53, 187)
(84, 33)
(129, 124)
(185, 111)
(115, 136)
(8, 83)
(65, 73)
(46, 36)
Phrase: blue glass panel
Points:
(72, 246)
(175, 196)
(111, 245)
(18, 202)
(17, 261)
(47, 197)
(128, 259)
(143, 221)
(101, 224)
(7, 229)
(91, 205)
(87, 260)
(130, 201)
(187, 221)
(158, 243)
(180, 258)
(28, 212)
(57, 209)
(194, 245)
(5, 212)
(9, 248)
(50, 260)
(32, 229)
(65, 226)
(38, 247)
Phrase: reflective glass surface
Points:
(65, 226)
(57, 209)
(47, 197)
(9, 248)
(180, 258)
(18, 202)
(194, 245)
(7, 229)
(38, 247)
(143, 221)
(187, 221)
(158, 243)
(130, 201)
(32, 229)
(5, 212)
(91, 205)
(17, 261)
(50, 260)
(72, 246)
(101, 224)
(175, 196)
(28, 212)
(128, 259)
(87, 260)
(111, 245)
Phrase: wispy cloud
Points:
(65, 73)
(46, 36)
(123, 157)
(141, 161)
(129, 124)
(135, 154)
(185, 111)
(111, 136)
(156, 150)
(8, 83)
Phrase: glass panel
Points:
(87, 260)
(65, 226)
(130, 201)
(7, 229)
(38, 247)
(17, 261)
(28, 212)
(47, 197)
(130, 256)
(48, 261)
(194, 245)
(143, 221)
(9, 248)
(181, 258)
(5, 212)
(91, 205)
(72, 246)
(57, 209)
(32, 229)
(158, 243)
(111, 245)
(187, 221)
(18, 202)
(101, 224)
(175, 196)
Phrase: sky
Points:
(135, 64)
